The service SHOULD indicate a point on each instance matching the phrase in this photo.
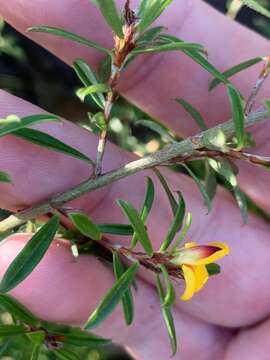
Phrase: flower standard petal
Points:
(190, 281)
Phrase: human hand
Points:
(214, 323)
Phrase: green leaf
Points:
(254, 5)
(21, 123)
(213, 269)
(146, 207)
(112, 298)
(150, 35)
(92, 89)
(74, 336)
(168, 318)
(237, 114)
(29, 257)
(10, 330)
(171, 198)
(4, 177)
(210, 180)
(201, 187)
(105, 68)
(169, 298)
(116, 229)
(50, 142)
(184, 231)
(88, 78)
(162, 130)
(234, 70)
(193, 113)
(138, 225)
(176, 224)
(65, 354)
(149, 11)
(242, 203)
(37, 338)
(127, 299)
(199, 59)
(85, 225)
(110, 14)
(70, 36)
(18, 310)
(173, 46)
(267, 105)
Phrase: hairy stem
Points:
(183, 148)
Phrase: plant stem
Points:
(183, 148)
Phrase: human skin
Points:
(229, 319)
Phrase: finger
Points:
(242, 270)
(251, 343)
(63, 290)
(228, 43)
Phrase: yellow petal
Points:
(223, 251)
(201, 276)
(190, 281)
(190, 245)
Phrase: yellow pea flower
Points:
(192, 259)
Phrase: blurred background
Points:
(30, 72)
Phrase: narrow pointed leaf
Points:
(92, 89)
(173, 46)
(149, 11)
(65, 354)
(110, 14)
(112, 298)
(105, 68)
(74, 336)
(10, 330)
(21, 123)
(201, 187)
(127, 299)
(168, 318)
(18, 310)
(85, 225)
(160, 129)
(171, 198)
(116, 229)
(184, 231)
(146, 207)
(193, 113)
(169, 295)
(88, 78)
(30, 256)
(254, 5)
(241, 202)
(50, 142)
(137, 224)
(237, 114)
(176, 224)
(150, 35)
(69, 35)
(4, 177)
(234, 70)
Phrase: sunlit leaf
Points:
(182, 46)
(30, 256)
(50, 142)
(175, 225)
(70, 36)
(234, 70)
(112, 298)
(149, 11)
(237, 114)
(160, 129)
(21, 123)
(92, 89)
(193, 113)
(110, 14)
(137, 224)
(146, 207)
(88, 78)
(167, 315)
(85, 225)
(127, 299)
(4, 177)
(18, 310)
